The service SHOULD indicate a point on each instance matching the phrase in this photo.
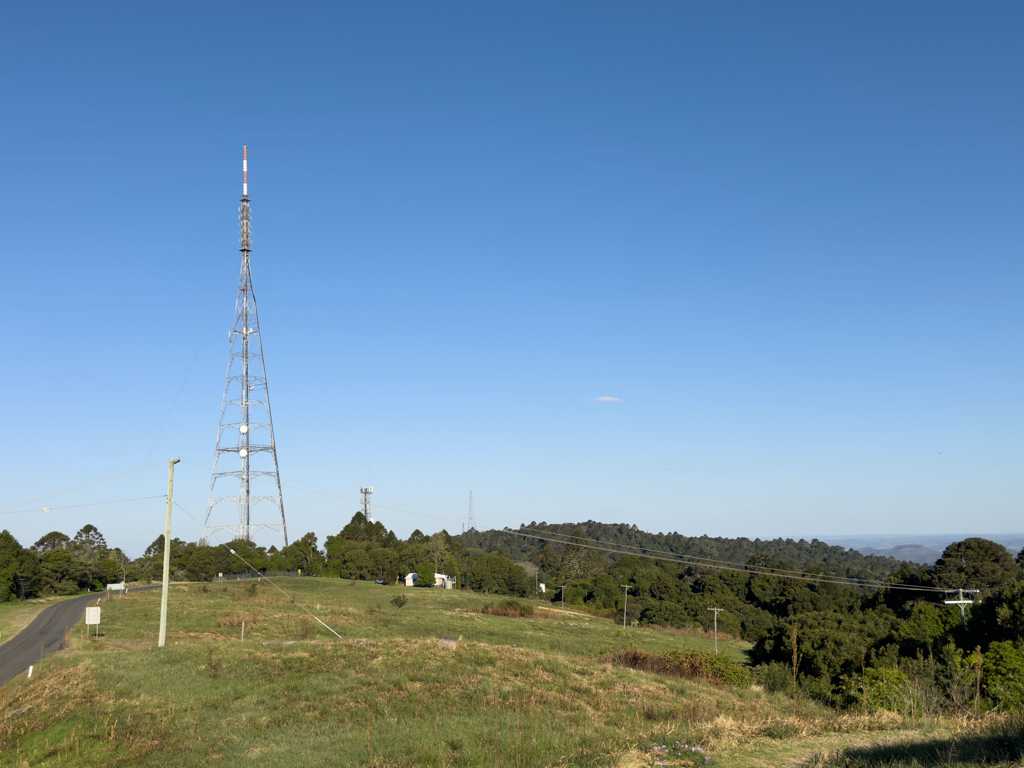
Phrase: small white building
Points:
(440, 580)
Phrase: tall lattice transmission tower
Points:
(246, 431)
(472, 517)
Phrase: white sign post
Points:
(92, 616)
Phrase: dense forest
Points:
(828, 622)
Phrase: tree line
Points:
(898, 645)
(58, 564)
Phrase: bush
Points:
(699, 665)
(399, 600)
(775, 677)
(1004, 676)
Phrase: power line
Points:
(178, 394)
(257, 572)
(673, 557)
(696, 559)
(92, 504)
(809, 577)
(76, 488)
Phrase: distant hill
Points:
(800, 554)
(921, 548)
(914, 553)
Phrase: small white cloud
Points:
(608, 399)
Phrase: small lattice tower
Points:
(245, 437)
(367, 512)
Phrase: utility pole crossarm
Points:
(961, 602)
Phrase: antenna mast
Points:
(246, 370)
(367, 512)
(472, 517)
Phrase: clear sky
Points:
(786, 236)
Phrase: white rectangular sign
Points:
(119, 587)
(92, 615)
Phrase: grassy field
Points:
(357, 609)
(507, 692)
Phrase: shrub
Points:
(775, 676)
(399, 600)
(1004, 676)
(698, 665)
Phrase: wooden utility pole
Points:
(717, 611)
(563, 596)
(167, 553)
(624, 604)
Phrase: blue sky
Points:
(787, 237)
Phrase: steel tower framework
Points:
(246, 427)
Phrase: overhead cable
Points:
(76, 488)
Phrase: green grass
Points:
(364, 610)
(388, 694)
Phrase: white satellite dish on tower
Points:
(243, 453)
(244, 428)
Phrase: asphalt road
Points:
(44, 635)
(47, 628)
(28, 647)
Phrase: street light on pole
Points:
(624, 604)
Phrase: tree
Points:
(1010, 612)
(975, 564)
(52, 540)
(205, 563)
(416, 537)
(309, 555)
(579, 559)
(438, 549)
(425, 574)
(89, 543)
(498, 574)
(11, 555)
(122, 562)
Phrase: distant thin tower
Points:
(246, 426)
(472, 517)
